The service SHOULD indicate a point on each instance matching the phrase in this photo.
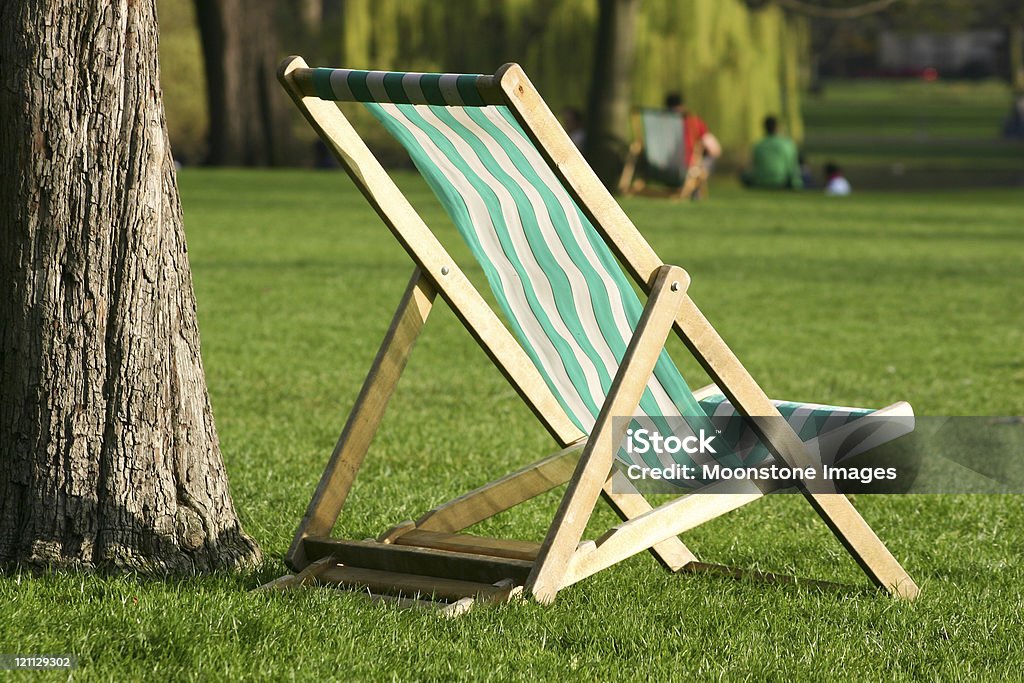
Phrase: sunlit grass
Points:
(914, 134)
(862, 301)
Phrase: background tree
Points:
(249, 122)
(735, 64)
(610, 96)
(108, 453)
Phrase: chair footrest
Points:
(410, 585)
(430, 562)
(466, 543)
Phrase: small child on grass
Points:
(835, 184)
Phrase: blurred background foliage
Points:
(182, 80)
(734, 63)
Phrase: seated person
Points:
(695, 131)
(835, 184)
(775, 161)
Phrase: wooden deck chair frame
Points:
(429, 557)
(629, 184)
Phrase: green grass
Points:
(869, 300)
(904, 134)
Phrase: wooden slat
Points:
(542, 476)
(397, 583)
(509, 590)
(504, 591)
(671, 519)
(393, 534)
(425, 249)
(636, 148)
(504, 493)
(836, 510)
(671, 553)
(476, 545)
(424, 561)
(402, 602)
(485, 85)
(340, 473)
(595, 464)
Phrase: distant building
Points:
(968, 53)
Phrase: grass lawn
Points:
(914, 134)
(863, 301)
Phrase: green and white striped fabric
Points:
(558, 284)
(354, 85)
(808, 420)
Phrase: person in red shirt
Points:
(694, 131)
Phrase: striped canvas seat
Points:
(560, 287)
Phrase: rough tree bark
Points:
(610, 94)
(249, 118)
(108, 453)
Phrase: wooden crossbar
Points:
(475, 545)
(504, 493)
(340, 473)
(396, 583)
(412, 560)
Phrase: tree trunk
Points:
(249, 119)
(108, 453)
(1017, 55)
(332, 30)
(610, 89)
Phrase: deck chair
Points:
(658, 154)
(582, 348)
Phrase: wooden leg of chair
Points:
(686, 190)
(629, 169)
(366, 415)
(595, 464)
(835, 509)
(628, 503)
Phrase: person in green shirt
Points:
(775, 161)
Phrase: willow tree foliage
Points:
(735, 64)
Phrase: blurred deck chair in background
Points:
(580, 348)
(658, 155)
